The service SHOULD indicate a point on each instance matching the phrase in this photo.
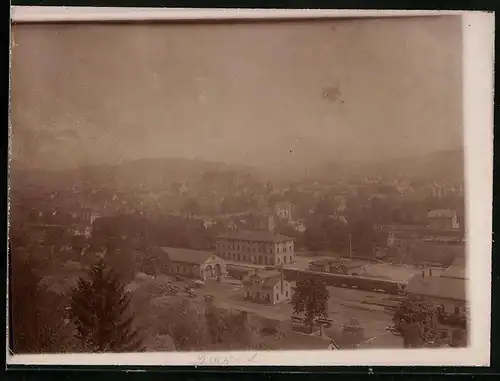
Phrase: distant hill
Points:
(159, 172)
(150, 173)
(438, 166)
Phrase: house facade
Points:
(283, 210)
(447, 291)
(267, 287)
(257, 247)
(194, 263)
(443, 219)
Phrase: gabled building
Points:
(443, 219)
(269, 287)
(258, 247)
(447, 292)
(194, 263)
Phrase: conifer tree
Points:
(100, 312)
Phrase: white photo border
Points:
(478, 93)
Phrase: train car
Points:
(237, 272)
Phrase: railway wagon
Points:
(237, 272)
(349, 281)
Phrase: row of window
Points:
(253, 249)
(260, 259)
(180, 269)
(264, 260)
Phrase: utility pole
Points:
(350, 246)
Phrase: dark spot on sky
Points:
(331, 93)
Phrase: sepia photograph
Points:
(250, 187)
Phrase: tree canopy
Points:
(311, 298)
(186, 326)
(99, 311)
(415, 320)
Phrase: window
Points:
(287, 294)
(277, 296)
(284, 258)
(178, 269)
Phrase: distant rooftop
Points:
(266, 275)
(187, 255)
(441, 213)
(438, 287)
(456, 269)
(255, 235)
(423, 230)
(282, 204)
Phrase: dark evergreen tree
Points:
(100, 312)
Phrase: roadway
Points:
(342, 305)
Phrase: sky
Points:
(262, 94)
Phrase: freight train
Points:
(349, 281)
(335, 280)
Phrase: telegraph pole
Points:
(350, 246)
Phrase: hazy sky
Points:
(248, 93)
